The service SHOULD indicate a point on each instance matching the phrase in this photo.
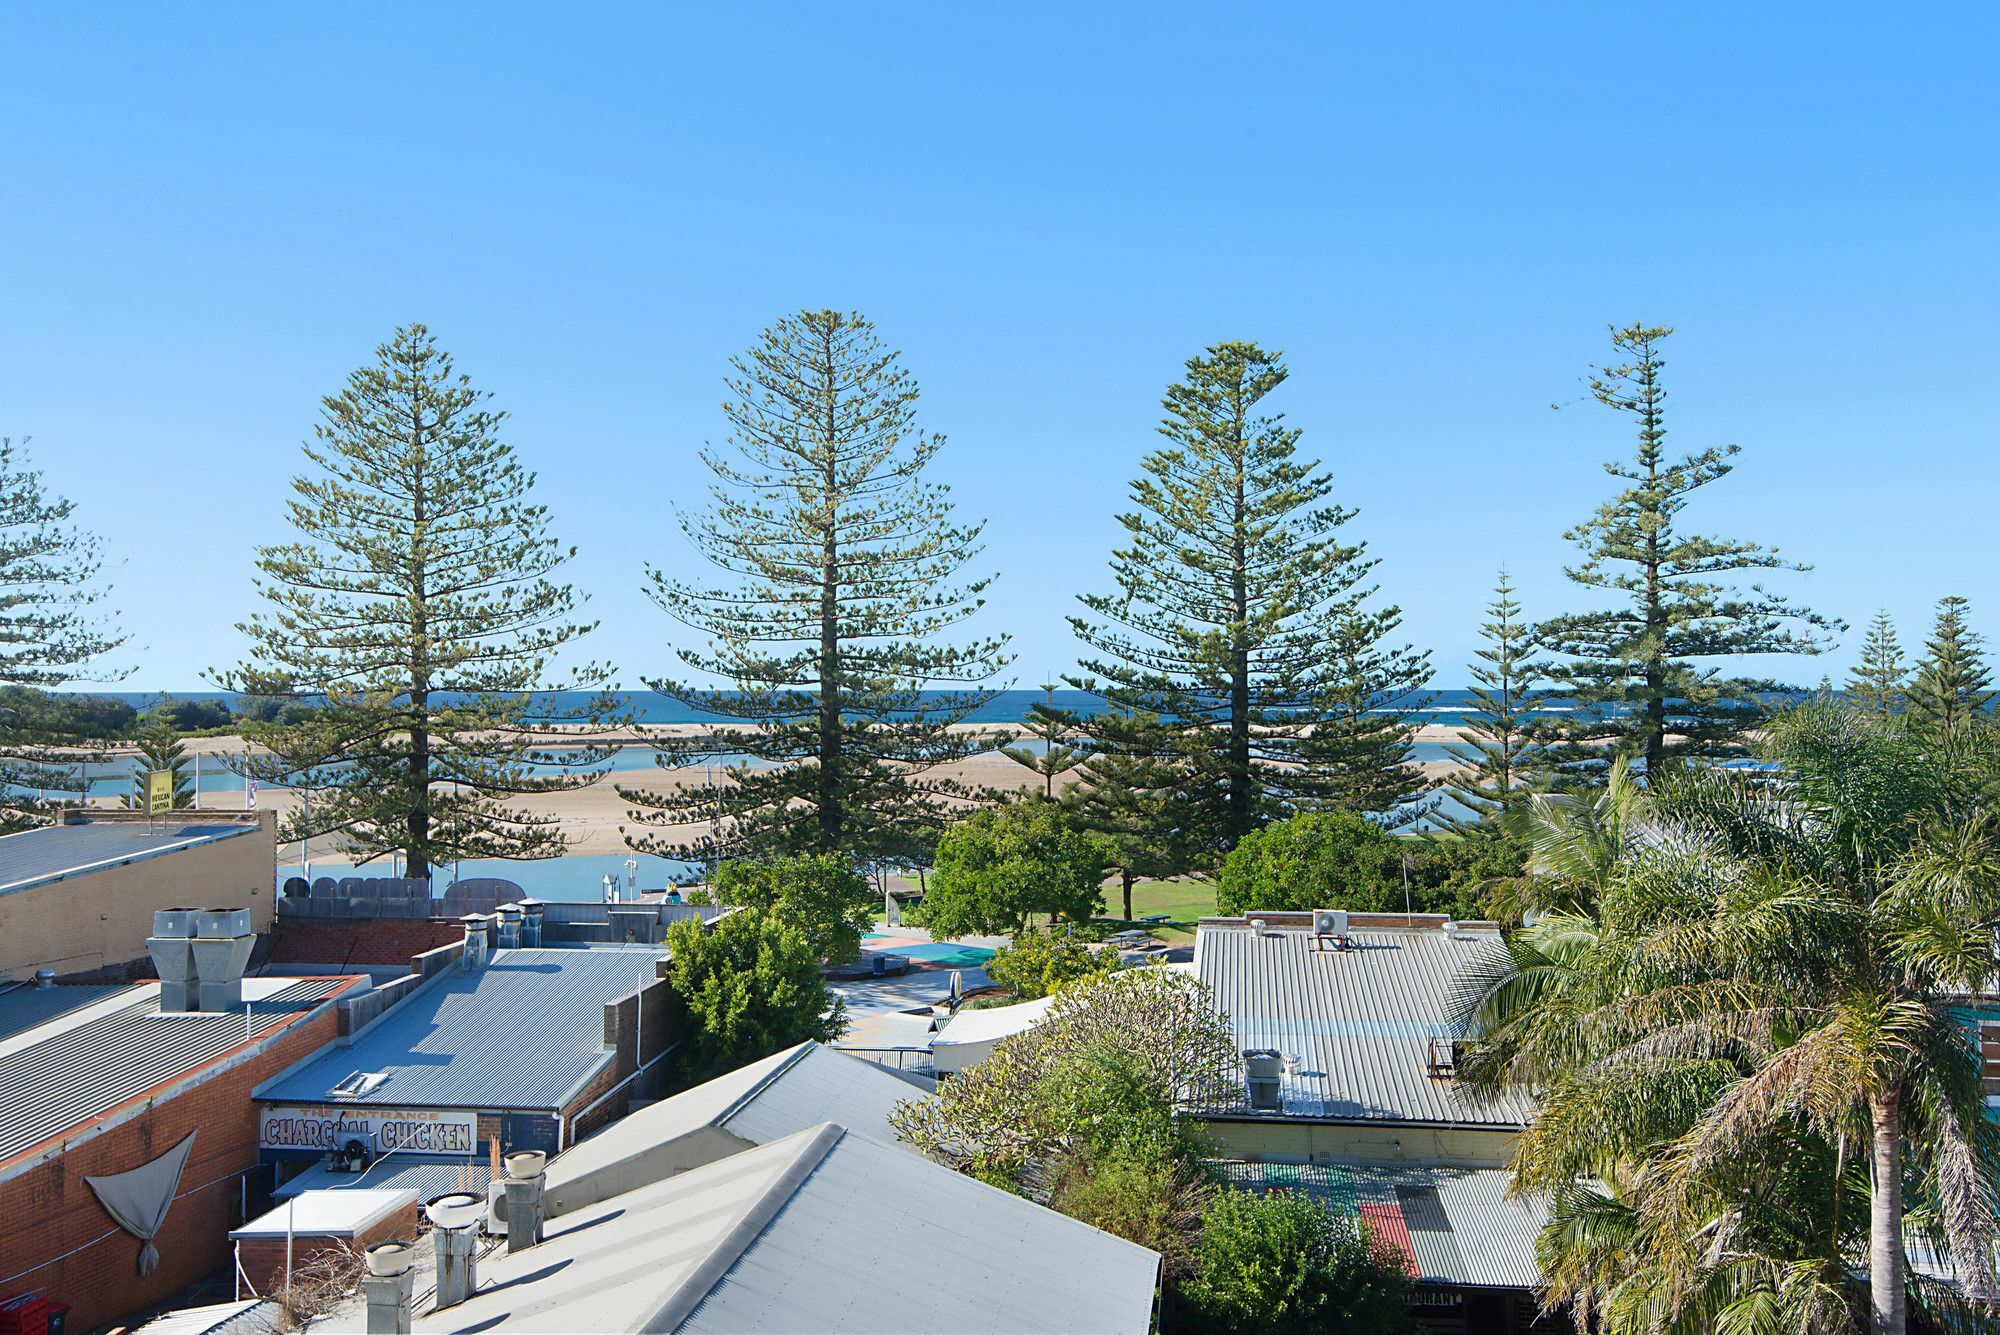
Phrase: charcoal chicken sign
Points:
(380, 1130)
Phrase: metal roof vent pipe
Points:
(389, 1286)
(1261, 1071)
(222, 944)
(173, 960)
(475, 940)
(531, 922)
(524, 1198)
(45, 978)
(453, 1216)
(508, 920)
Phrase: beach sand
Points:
(596, 819)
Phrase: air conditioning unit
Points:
(1330, 922)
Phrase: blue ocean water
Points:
(1010, 706)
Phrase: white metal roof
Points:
(1360, 1021)
(991, 1024)
(821, 1231)
(329, 1213)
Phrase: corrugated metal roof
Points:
(1462, 1227)
(251, 1316)
(524, 1032)
(27, 1006)
(1359, 1021)
(819, 1085)
(85, 1069)
(33, 857)
(429, 1178)
(841, 1255)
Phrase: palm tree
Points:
(1754, 1085)
(1575, 842)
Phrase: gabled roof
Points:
(822, 1231)
(525, 1031)
(1360, 1021)
(51, 852)
(767, 1100)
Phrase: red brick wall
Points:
(577, 1126)
(373, 941)
(264, 1258)
(49, 1210)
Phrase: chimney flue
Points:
(524, 1199)
(389, 1286)
(508, 920)
(532, 911)
(452, 1218)
(475, 940)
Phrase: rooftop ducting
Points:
(221, 947)
(172, 948)
(1262, 1071)
(532, 911)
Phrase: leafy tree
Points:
(1500, 761)
(1104, 1075)
(1650, 667)
(1282, 1263)
(820, 894)
(1762, 994)
(1000, 867)
(838, 561)
(52, 633)
(1952, 682)
(752, 986)
(1053, 728)
(1338, 859)
(419, 611)
(1153, 1199)
(186, 715)
(1880, 681)
(160, 748)
(1040, 963)
(1236, 612)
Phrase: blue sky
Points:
(211, 214)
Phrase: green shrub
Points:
(1342, 860)
(1038, 963)
(1270, 1265)
(998, 868)
(751, 986)
(820, 894)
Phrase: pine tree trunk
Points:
(416, 857)
(1126, 878)
(1885, 1216)
(1239, 661)
(829, 633)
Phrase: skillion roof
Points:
(52, 852)
(1360, 1021)
(86, 1063)
(523, 1032)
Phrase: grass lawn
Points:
(1181, 900)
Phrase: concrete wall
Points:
(1278, 1141)
(102, 918)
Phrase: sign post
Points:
(159, 793)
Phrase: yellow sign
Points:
(159, 791)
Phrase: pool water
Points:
(944, 952)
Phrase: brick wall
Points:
(264, 1258)
(577, 1123)
(341, 945)
(49, 1210)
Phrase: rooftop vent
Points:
(1261, 1071)
(359, 1085)
(45, 978)
(221, 947)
